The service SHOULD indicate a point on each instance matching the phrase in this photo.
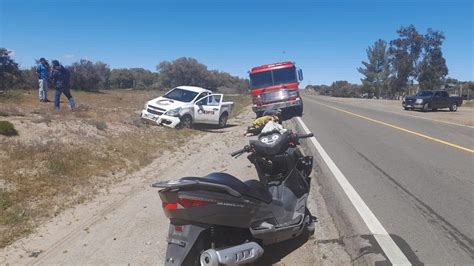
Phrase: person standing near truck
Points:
(61, 76)
(42, 71)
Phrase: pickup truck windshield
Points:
(424, 93)
(273, 77)
(181, 95)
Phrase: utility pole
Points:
(468, 97)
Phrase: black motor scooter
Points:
(218, 219)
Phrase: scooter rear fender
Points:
(181, 239)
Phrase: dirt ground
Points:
(464, 116)
(58, 160)
(126, 225)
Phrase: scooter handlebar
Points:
(239, 152)
(304, 136)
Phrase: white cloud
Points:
(12, 52)
(68, 56)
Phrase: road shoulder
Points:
(126, 223)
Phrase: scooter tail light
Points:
(185, 203)
(188, 203)
(170, 206)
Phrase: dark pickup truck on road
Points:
(432, 100)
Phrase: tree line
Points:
(339, 88)
(413, 61)
(93, 76)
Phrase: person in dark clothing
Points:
(60, 76)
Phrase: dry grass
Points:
(59, 160)
(240, 102)
(469, 104)
(62, 159)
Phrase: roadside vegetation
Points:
(94, 76)
(7, 128)
(240, 102)
(413, 61)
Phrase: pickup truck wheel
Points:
(186, 122)
(223, 120)
(425, 107)
(406, 108)
(453, 107)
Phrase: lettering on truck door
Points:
(207, 110)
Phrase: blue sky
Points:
(327, 39)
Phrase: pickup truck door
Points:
(436, 100)
(208, 109)
(444, 100)
(440, 100)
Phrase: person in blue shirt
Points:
(60, 76)
(42, 71)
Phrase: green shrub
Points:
(7, 129)
(100, 125)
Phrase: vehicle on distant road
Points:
(432, 100)
(187, 105)
(367, 95)
(275, 86)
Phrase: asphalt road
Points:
(415, 175)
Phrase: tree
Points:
(121, 78)
(27, 79)
(89, 76)
(143, 78)
(377, 69)
(136, 78)
(9, 72)
(343, 88)
(405, 54)
(432, 70)
(414, 56)
(188, 71)
(183, 71)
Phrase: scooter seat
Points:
(249, 188)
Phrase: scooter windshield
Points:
(271, 144)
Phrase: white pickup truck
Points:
(187, 105)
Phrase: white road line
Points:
(391, 250)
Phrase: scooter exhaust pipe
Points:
(236, 255)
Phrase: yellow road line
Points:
(400, 128)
